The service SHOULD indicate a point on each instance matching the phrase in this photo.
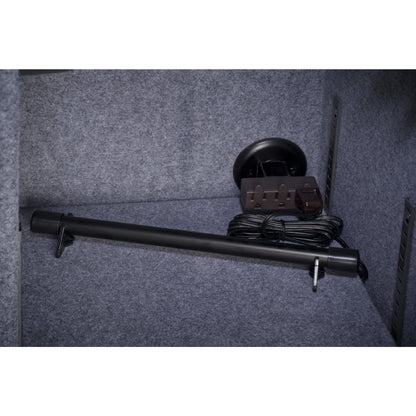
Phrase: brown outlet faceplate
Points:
(288, 195)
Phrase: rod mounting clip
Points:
(65, 239)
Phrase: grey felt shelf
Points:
(110, 293)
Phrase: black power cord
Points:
(318, 232)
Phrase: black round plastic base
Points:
(269, 150)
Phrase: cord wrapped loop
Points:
(319, 232)
(273, 233)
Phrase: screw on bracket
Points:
(316, 272)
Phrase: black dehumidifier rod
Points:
(336, 259)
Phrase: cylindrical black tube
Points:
(332, 258)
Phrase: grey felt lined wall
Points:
(376, 170)
(116, 136)
(9, 209)
(99, 137)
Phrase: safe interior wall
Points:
(157, 148)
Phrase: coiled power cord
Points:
(319, 232)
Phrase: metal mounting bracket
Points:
(316, 272)
(65, 239)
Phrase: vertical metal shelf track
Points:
(399, 303)
(332, 154)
